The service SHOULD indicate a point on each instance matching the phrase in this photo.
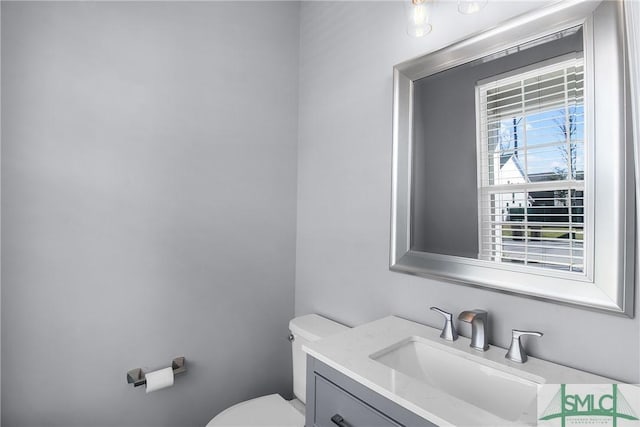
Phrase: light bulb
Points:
(471, 6)
(418, 15)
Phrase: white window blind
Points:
(532, 166)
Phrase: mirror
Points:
(512, 160)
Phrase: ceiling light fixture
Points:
(468, 7)
(419, 14)
(418, 17)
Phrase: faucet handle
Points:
(448, 330)
(516, 352)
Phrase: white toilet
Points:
(273, 410)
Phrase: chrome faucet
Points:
(478, 320)
(516, 352)
(448, 330)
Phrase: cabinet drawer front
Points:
(345, 409)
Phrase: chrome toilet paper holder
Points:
(137, 376)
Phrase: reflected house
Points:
(510, 171)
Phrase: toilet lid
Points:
(271, 410)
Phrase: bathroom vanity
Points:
(394, 372)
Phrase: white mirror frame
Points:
(610, 287)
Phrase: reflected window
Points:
(531, 146)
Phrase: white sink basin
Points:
(479, 382)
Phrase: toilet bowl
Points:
(271, 410)
(274, 410)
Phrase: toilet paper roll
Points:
(159, 379)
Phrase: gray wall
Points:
(148, 207)
(344, 164)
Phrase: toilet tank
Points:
(306, 329)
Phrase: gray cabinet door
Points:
(334, 399)
(335, 407)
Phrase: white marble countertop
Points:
(349, 353)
